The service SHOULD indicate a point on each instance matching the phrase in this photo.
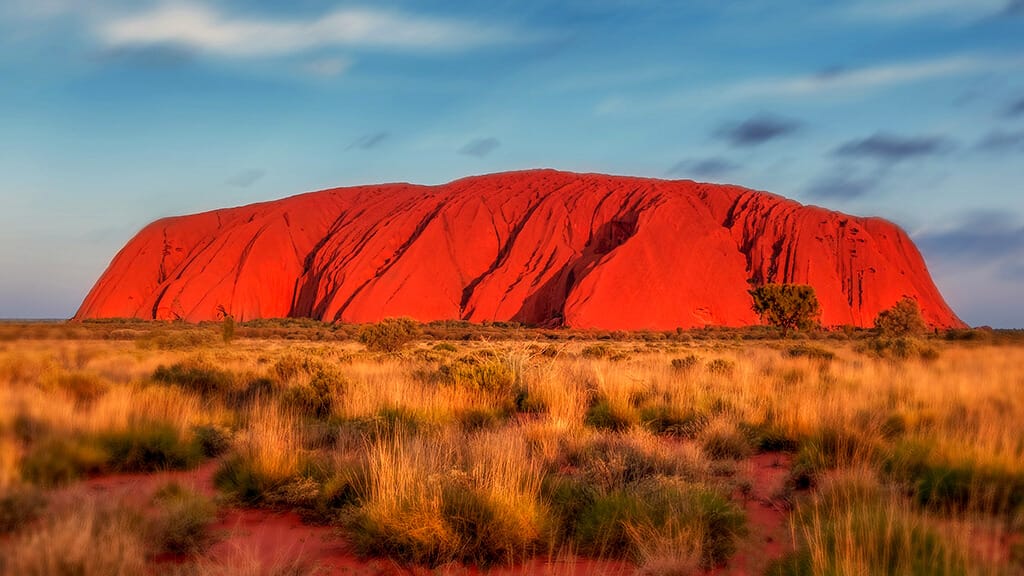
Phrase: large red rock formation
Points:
(540, 247)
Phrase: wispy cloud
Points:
(757, 130)
(712, 167)
(871, 77)
(844, 183)
(890, 148)
(980, 236)
(836, 80)
(246, 178)
(328, 67)
(1002, 141)
(480, 147)
(368, 141)
(903, 10)
(1015, 108)
(204, 28)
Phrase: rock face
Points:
(539, 247)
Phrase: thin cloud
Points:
(843, 184)
(368, 141)
(204, 28)
(327, 67)
(980, 237)
(898, 11)
(890, 149)
(246, 178)
(1016, 108)
(757, 130)
(480, 147)
(871, 77)
(1001, 141)
(704, 168)
(153, 56)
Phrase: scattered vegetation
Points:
(436, 444)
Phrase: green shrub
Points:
(812, 352)
(212, 440)
(722, 444)
(610, 524)
(721, 367)
(903, 319)
(668, 420)
(767, 437)
(686, 363)
(243, 482)
(487, 372)
(900, 348)
(196, 376)
(181, 523)
(149, 447)
(603, 416)
(290, 366)
(83, 387)
(595, 351)
(19, 505)
(389, 335)
(55, 461)
(445, 347)
(315, 399)
(475, 419)
(851, 527)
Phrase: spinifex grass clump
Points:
(632, 496)
(434, 500)
(181, 523)
(853, 525)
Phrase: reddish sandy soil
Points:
(539, 247)
(280, 538)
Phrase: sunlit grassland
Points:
(491, 452)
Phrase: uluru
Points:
(539, 247)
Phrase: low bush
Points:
(685, 363)
(211, 439)
(196, 376)
(703, 520)
(19, 505)
(668, 420)
(389, 335)
(812, 352)
(149, 447)
(181, 523)
(55, 461)
(857, 528)
(721, 367)
(725, 443)
(314, 399)
(484, 372)
(605, 416)
(83, 387)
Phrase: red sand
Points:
(540, 247)
(268, 539)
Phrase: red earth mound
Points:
(539, 247)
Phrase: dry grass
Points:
(492, 452)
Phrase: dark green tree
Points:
(787, 306)
(903, 319)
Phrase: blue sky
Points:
(114, 113)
